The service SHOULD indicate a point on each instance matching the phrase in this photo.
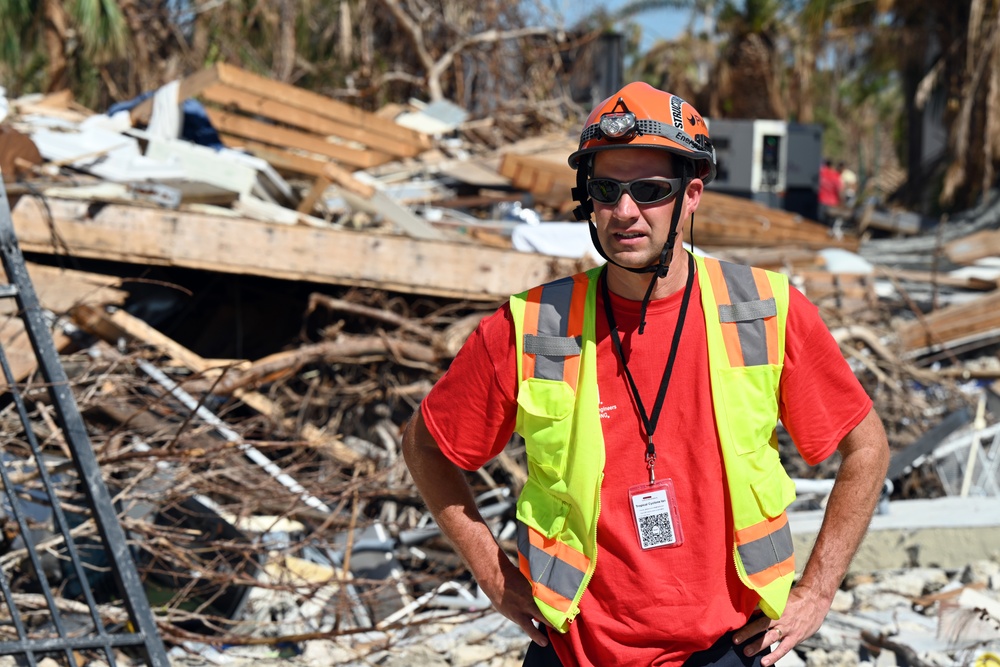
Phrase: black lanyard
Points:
(649, 421)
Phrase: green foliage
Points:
(16, 32)
(102, 28)
(751, 16)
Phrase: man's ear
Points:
(692, 196)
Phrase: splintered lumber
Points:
(724, 220)
(953, 326)
(112, 325)
(900, 222)
(843, 292)
(236, 245)
(979, 245)
(58, 290)
(281, 364)
(256, 109)
(549, 181)
(305, 119)
(233, 124)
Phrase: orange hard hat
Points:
(640, 116)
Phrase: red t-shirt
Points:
(659, 606)
(829, 186)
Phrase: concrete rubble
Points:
(251, 297)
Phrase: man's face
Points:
(632, 234)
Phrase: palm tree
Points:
(63, 33)
(749, 73)
(948, 58)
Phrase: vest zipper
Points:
(593, 539)
(739, 570)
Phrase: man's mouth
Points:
(631, 235)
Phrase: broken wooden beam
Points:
(954, 325)
(290, 96)
(230, 124)
(109, 326)
(305, 119)
(979, 245)
(240, 246)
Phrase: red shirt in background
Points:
(830, 186)
(652, 607)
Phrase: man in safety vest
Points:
(652, 526)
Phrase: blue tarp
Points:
(196, 126)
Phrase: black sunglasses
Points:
(642, 190)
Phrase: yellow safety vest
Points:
(558, 416)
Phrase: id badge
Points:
(654, 511)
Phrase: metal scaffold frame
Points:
(63, 631)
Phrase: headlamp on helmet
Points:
(618, 124)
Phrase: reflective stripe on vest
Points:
(749, 323)
(553, 330)
(556, 570)
(766, 550)
(747, 313)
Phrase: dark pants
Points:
(722, 654)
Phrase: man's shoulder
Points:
(564, 281)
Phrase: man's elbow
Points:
(417, 441)
(868, 441)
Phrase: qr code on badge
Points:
(656, 530)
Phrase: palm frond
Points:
(16, 31)
(101, 26)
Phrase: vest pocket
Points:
(751, 405)
(545, 420)
(541, 510)
(774, 490)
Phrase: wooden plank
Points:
(844, 293)
(953, 325)
(258, 131)
(309, 202)
(979, 245)
(17, 347)
(302, 119)
(549, 182)
(331, 256)
(281, 160)
(59, 290)
(320, 104)
(930, 278)
(900, 222)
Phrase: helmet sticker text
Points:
(676, 112)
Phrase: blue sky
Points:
(656, 24)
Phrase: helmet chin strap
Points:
(662, 266)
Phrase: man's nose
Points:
(626, 206)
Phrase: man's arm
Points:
(449, 499)
(865, 459)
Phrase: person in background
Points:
(830, 191)
(849, 184)
(652, 528)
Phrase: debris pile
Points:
(251, 294)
